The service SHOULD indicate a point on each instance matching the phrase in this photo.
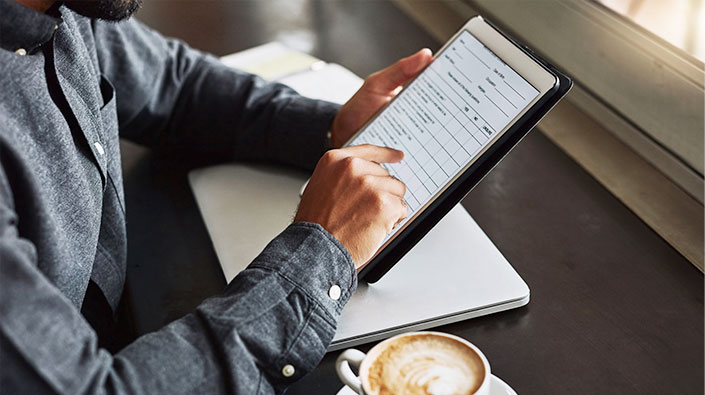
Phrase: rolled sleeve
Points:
(284, 315)
(315, 262)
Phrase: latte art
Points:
(426, 364)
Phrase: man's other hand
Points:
(354, 198)
(379, 88)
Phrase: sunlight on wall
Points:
(680, 22)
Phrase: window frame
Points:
(663, 122)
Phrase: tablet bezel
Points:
(524, 63)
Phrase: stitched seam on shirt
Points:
(298, 335)
(353, 280)
(102, 250)
(299, 287)
(283, 358)
(339, 246)
(327, 234)
(93, 118)
(72, 30)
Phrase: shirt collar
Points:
(24, 28)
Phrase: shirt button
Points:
(21, 51)
(288, 370)
(334, 292)
(99, 148)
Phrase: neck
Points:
(38, 5)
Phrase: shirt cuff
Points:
(315, 262)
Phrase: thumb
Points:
(387, 80)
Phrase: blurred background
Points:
(679, 22)
(600, 209)
(328, 29)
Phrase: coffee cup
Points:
(417, 363)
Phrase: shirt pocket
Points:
(111, 141)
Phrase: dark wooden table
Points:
(614, 309)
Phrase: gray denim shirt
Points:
(64, 104)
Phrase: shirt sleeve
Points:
(171, 95)
(278, 312)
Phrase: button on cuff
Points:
(334, 292)
(288, 370)
(21, 51)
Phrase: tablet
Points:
(455, 121)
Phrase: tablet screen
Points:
(446, 117)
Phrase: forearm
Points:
(277, 312)
(171, 95)
(224, 109)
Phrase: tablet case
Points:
(413, 233)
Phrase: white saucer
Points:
(497, 387)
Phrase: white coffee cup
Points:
(432, 360)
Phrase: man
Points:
(70, 84)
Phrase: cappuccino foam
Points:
(426, 364)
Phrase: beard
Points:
(109, 10)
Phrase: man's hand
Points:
(354, 198)
(378, 89)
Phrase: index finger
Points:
(374, 153)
